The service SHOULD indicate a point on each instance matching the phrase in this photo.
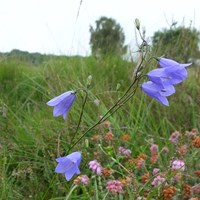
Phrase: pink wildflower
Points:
(157, 180)
(174, 137)
(154, 158)
(114, 186)
(196, 189)
(82, 179)
(95, 167)
(124, 151)
(178, 165)
(154, 149)
(156, 171)
(140, 163)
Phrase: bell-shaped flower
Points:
(158, 92)
(169, 75)
(62, 103)
(69, 165)
(165, 62)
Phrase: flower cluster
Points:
(114, 186)
(124, 151)
(95, 167)
(178, 165)
(157, 180)
(162, 80)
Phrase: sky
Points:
(61, 27)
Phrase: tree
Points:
(179, 43)
(107, 38)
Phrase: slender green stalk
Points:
(80, 117)
(70, 192)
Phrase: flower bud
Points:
(137, 23)
(89, 80)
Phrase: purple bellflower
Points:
(164, 62)
(69, 165)
(158, 91)
(62, 103)
(166, 76)
(162, 80)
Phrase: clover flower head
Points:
(62, 103)
(158, 91)
(124, 151)
(95, 167)
(154, 149)
(174, 137)
(69, 165)
(83, 179)
(157, 180)
(178, 165)
(156, 171)
(114, 186)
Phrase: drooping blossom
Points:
(69, 165)
(174, 137)
(83, 179)
(178, 165)
(171, 72)
(165, 62)
(157, 180)
(124, 151)
(161, 80)
(95, 167)
(62, 103)
(168, 76)
(114, 186)
(158, 92)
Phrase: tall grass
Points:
(30, 136)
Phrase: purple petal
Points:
(185, 65)
(64, 106)
(62, 167)
(167, 91)
(177, 74)
(157, 92)
(75, 157)
(58, 99)
(158, 76)
(62, 159)
(71, 172)
(62, 103)
(164, 62)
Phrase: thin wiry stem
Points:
(123, 99)
(80, 117)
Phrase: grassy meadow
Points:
(31, 138)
